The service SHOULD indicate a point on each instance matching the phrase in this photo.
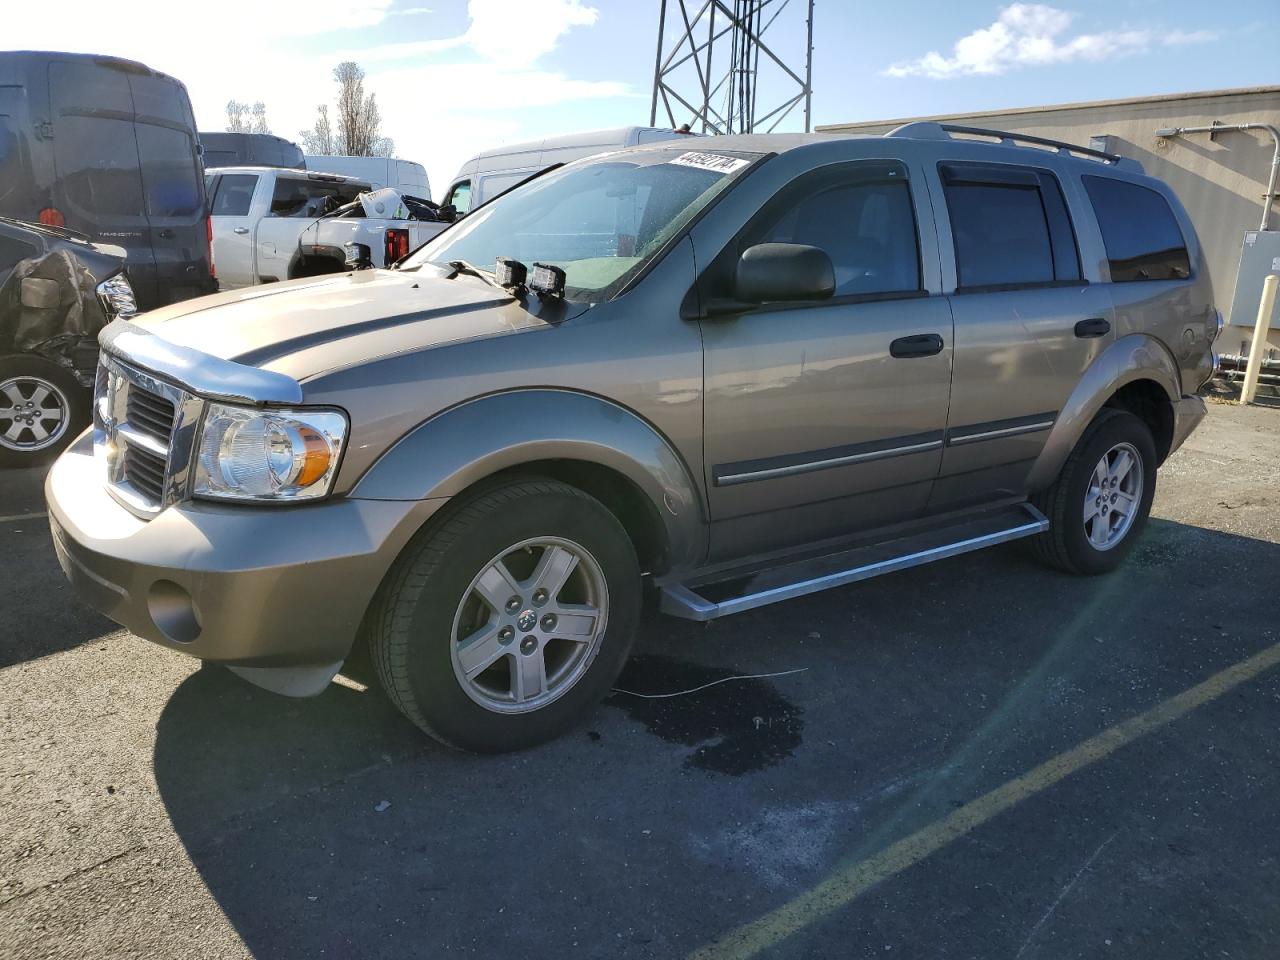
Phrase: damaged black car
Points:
(57, 290)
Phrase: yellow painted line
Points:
(24, 516)
(845, 886)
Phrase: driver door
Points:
(826, 418)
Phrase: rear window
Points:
(1010, 227)
(1139, 230)
(309, 198)
(234, 195)
(98, 165)
(169, 176)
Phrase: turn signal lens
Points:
(52, 217)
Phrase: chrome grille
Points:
(143, 428)
(150, 414)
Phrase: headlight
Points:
(117, 296)
(269, 455)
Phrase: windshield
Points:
(600, 221)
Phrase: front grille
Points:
(150, 414)
(145, 472)
(137, 420)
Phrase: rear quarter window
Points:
(1141, 234)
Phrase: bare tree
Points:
(259, 122)
(319, 139)
(359, 119)
(236, 122)
(243, 118)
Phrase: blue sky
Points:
(457, 76)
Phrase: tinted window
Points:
(1010, 227)
(169, 177)
(1142, 237)
(460, 196)
(220, 158)
(159, 98)
(235, 194)
(867, 228)
(308, 198)
(98, 165)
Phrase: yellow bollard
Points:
(1260, 328)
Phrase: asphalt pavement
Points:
(978, 758)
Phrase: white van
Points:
(486, 175)
(406, 176)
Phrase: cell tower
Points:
(714, 66)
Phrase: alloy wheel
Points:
(529, 625)
(1113, 496)
(34, 414)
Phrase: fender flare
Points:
(461, 445)
(1131, 358)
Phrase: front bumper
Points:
(1187, 414)
(277, 592)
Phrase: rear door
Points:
(95, 155)
(172, 187)
(233, 228)
(1027, 323)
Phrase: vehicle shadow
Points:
(331, 826)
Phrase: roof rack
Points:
(932, 130)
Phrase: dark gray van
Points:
(107, 147)
(250, 150)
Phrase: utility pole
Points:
(755, 86)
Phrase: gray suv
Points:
(748, 372)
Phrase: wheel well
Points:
(315, 265)
(1147, 400)
(619, 494)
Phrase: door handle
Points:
(1093, 327)
(240, 230)
(920, 345)
(165, 234)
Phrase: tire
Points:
(1082, 544)
(33, 435)
(446, 587)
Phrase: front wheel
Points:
(510, 619)
(42, 408)
(1099, 504)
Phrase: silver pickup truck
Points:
(766, 367)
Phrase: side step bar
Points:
(746, 590)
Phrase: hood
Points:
(307, 327)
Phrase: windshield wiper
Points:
(462, 266)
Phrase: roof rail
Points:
(932, 130)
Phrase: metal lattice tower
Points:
(716, 65)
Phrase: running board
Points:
(735, 592)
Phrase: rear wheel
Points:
(1100, 501)
(511, 619)
(42, 408)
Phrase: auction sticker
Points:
(710, 161)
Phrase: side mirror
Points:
(447, 213)
(781, 272)
(359, 256)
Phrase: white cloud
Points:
(1035, 34)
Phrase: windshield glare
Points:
(600, 221)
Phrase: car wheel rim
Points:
(1113, 496)
(529, 625)
(33, 414)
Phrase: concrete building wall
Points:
(1221, 182)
